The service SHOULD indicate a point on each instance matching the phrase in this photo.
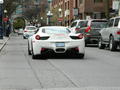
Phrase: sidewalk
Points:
(3, 42)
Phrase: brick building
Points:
(83, 9)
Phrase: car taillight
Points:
(37, 37)
(118, 32)
(77, 29)
(42, 49)
(88, 29)
(80, 36)
(25, 31)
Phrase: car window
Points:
(98, 24)
(74, 24)
(30, 28)
(56, 30)
(110, 24)
(83, 24)
(116, 21)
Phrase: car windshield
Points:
(98, 24)
(30, 28)
(56, 30)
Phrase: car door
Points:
(106, 32)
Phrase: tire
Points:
(29, 52)
(100, 44)
(86, 45)
(24, 37)
(34, 57)
(81, 56)
(112, 44)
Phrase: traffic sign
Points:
(5, 19)
(60, 19)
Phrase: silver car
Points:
(110, 36)
(29, 31)
(20, 31)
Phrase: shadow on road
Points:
(59, 56)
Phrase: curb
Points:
(4, 44)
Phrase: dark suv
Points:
(91, 31)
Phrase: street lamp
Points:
(5, 11)
(1, 16)
(59, 9)
(5, 21)
(60, 16)
(49, 15)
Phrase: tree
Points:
(19, 23)
(43, 12)
(55, 15)
(10, 6)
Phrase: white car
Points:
(55, 39)
(20, 31)
(77, 25)
(29, 31)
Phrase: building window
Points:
(98, 1)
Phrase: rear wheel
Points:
(112, 44)
(24, 37)
(29, 52)
(33, 55)
(100, 44)
(86, 45)
(81, 56)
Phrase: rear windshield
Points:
(98, 24)
(83, 24)
(56, 30)
(30, 28)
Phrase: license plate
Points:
(60, 44)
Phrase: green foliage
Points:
(55, 15)
(10, 6)
(19, 23)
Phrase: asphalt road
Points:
(99, 69)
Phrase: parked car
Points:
(29, 31)
(110, 36)
(20, 31)
(55, 39)
(91, 30)
(77, 24)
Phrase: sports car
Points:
(55, 39)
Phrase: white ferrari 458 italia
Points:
(55, 39)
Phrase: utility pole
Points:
(119, 8)
(1, 17)
(49, 14)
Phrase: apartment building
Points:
(94, 8)
(81, 9)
